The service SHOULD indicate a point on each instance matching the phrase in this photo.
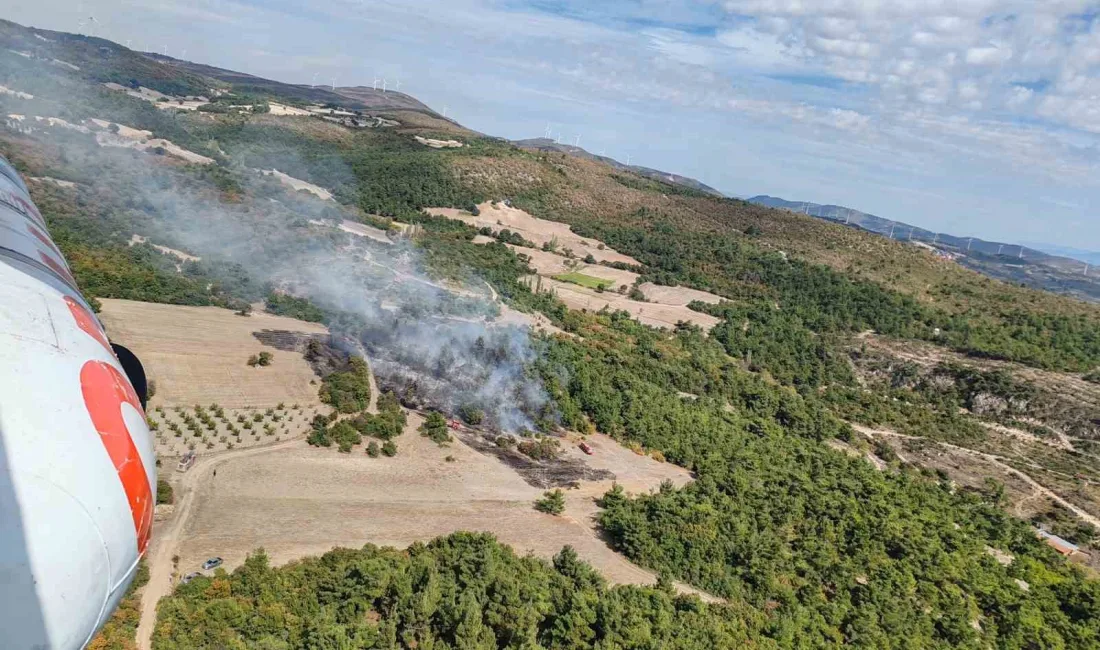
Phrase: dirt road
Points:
(996, 460)
(167, 538)
(294, 500)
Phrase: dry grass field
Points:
(198, 355)
(649, 313)
(300, 501)
(666, 306)
(539, 231)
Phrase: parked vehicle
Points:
(212, 563)
(586, 448)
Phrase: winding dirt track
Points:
(166, 544)
(996, 460)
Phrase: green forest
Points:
(465, 591)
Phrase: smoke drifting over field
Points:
(431, 345)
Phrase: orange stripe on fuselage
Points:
(86, 322)
(105, 390)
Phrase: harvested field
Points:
(301, 501)
(650, 313)
(539, 231)
(677, 295)
(282, 109)
(551, 264)
(535, 321)
(50, 179)
(298, 184)
(357, 229)
(141, 140)
(180, 255)
(198, 355)
(438, 144)
(363, 230)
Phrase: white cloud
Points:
(988, 55)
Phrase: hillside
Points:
(548, 145)
(1012, 263)
(866, 435)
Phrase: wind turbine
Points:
(969, 243)
(547, 131)
(183, 55)
(577, 141)
(1000, 248)
(128, 41)
(911, 229)
(398, 86)
(628, 157)
(334, 84)
(313, 81)
(892, 226)
(383, 85)
(375, 86)
(444, 111)
(936, 239)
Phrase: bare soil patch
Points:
(438, 144)
(539, 231)
(198, 355)
(178, 254)
(681, 296)
(298, 184)
(649, 313)
(282, 109)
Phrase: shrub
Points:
(372, 449)
(540, 449)
(435, 428)
(471, 415)
(389, 448)
(164, 492)
(552, 503)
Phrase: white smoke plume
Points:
(432, 342)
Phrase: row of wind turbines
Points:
(548, 134)
(385, 84)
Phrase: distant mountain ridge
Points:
(1090, 257)
(1005, 261)
(546, 144)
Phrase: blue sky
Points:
(975, 117)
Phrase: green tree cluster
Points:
(348, 391)
(435, 429)
(464, 591)
(552, 502)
